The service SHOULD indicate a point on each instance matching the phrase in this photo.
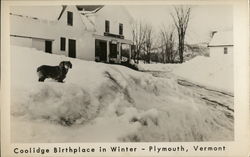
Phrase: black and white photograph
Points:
(121, 73)
(125, 78)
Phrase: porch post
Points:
(129, 52)
(119, 53)
(108, 51)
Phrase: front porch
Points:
(111, 49)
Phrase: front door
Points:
(48, 46)
(72, 48)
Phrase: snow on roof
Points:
(40, 12)
(222, 38)
(90, 25)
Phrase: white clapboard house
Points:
(221, 44)
(101, 33)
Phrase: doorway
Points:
(100, 50)
(113, 51)
(48, 46)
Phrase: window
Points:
(63, 43)
(70, 18)
(106, 26)
(225, 50)
(120, 29)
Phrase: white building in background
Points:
(101, 33)
(221, 44)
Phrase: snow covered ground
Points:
(108, 103)
(212, 72)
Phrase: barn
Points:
(221, 44)
(89, 32)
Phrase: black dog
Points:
(55, 72)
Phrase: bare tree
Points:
(139, 35)
(148, 43)
(168, 43)
(181, 19)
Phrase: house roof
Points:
(222, 38)
(40, 12)
(62, 11)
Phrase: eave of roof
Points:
(220, 45)
(49, 13)
(89, 7)
(222, 38)
(94, 8)
(63, 9)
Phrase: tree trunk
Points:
(181, 49)
(149, 56)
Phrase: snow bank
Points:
(105, 103)
(157, 67)
(62, 103)
(215, 73)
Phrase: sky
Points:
(48, 12)
(203, 20)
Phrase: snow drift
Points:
(212, 72)
(105, 103)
